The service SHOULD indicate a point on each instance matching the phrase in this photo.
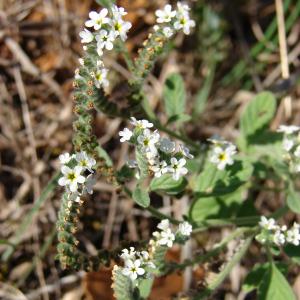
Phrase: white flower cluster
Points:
(222, 153)
(291, 145)
(160, 152)
(279, 235)
(166, 237)
(169, 21)
(136, 263)
(108, 27)
(77, 173)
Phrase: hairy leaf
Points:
(174, 95)
(275, 286)
(141, 196)
(257, 115)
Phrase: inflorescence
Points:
(161, 154)
(272, 233)
(77, 173)
(169, 21)
(108, 27)
(141, 264)
(291, 146)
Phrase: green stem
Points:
(242, 221)
(156, 213)
(226, 270)
(213, 252)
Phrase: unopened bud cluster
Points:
(161, 154)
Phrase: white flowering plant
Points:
(217, 178)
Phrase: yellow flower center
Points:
(71, 176)
(99, 76)
(118, 26)
(222, 156)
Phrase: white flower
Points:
(182, 8)
(185, 151)
(128, 254)
(156, 27)
(100, 77)
(185, 228)
(297, 152)
(118, 12)
(148, 140)
(164, 225)
(85, 161)
(145, 257)
(140, 124)
(288, 129)
(151, 155)
(223, 156)
(160, 168)
(177, 167)
(81, 61)
(287, 144)
(268, 224)
(166, 238)
(166, 145)
(278, 238)
(71, 177)
(165, 15)
(105, 40)
(293, 235)
(133, 269)
(131, 163)
(125, 135)
(185, 23)
(120, 28)
(89, 184)
(168, 32)
(86, 36)
(65, 158)
(97, 19)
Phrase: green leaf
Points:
(293, 199)
(122, 286)
(216, 207)
(174, 95)
(255, 276)
(275, 286)
(142, 163)
(219, 193)
(293, 252)
(203, 93)
(103, 154)
(141, 196)
(105, 3)
(145, 286)
(212, 181)
(257, 115)
(167, 184)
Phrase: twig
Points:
(287, 101)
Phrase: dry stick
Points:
(29, 68)
(276, 72)
(287, 101)
(28, 126)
